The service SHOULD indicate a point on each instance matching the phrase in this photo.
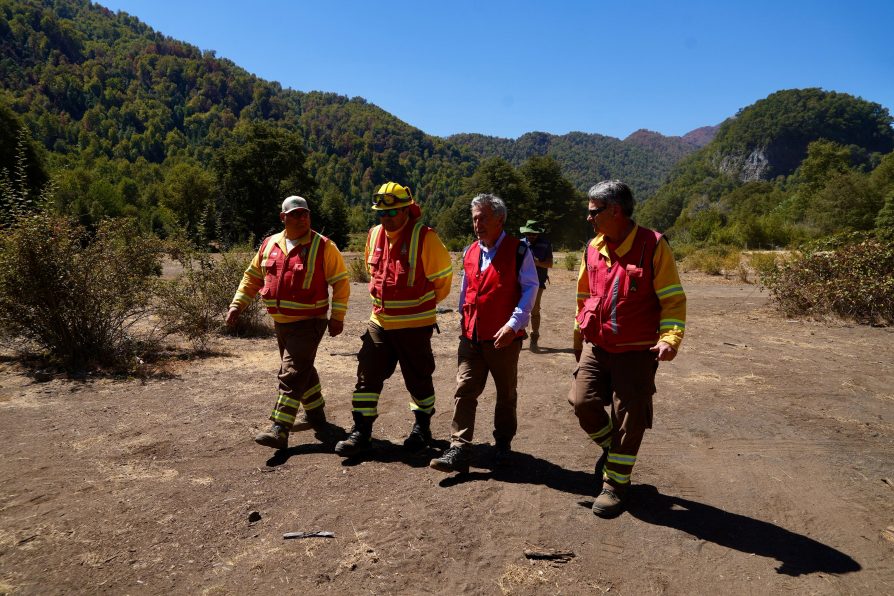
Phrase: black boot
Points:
(360, 439)
(419, 438)
(455, 459)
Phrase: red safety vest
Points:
(295, 283)
(491, 296)
(622, 307)
(397, 285)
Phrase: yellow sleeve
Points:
(252, 282)
(437, 265)
(669, 290)
(337, 277)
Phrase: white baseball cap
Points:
(294, 202)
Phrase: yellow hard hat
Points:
(392, 195)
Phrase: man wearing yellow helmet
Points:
(410, 273)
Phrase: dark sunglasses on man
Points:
(389, 212)
(597, 210)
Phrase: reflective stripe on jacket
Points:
(399, 289)
(295, 283)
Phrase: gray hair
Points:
(493, 202)
(613, 192)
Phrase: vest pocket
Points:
(588, 318)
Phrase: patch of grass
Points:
(714, 260)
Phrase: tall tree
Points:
(258, 166)
(554, 202)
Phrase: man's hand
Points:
(335, 327)
(665, 351)
(504, 337)
(232, 316)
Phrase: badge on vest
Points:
(633, 273)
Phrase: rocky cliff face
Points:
(746, 168)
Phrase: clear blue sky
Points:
(504, 68)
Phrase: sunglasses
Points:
(597, 211)
(388, 200)
(389, 212)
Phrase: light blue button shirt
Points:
(527, 279)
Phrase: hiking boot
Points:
(360, 439)
(419, 438)
(455, 459)
(502, 453)
(610, 501)
(276, 437)
(599, 469)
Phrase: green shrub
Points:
(357, 270)
(456, 244)
(854, 282)
(77, 296)
(195, 303)
(571, 261)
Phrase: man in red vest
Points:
(410, 273)
(293, 271)
(631, 312)
(498, 289)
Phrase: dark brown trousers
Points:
(299, 383)
(627, 381)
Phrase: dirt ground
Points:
(770, 469)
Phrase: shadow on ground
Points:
(797, 554)
(524, 468)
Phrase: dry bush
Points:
(764, 264)
(714, 260)
(357, 270)
(855, 282)
(195, 303)
(77, 295)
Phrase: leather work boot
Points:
(276, 437)
(599, 469)
(502, 452)
(360, 439)
(455, 459)
(610, 502)
(419, 438)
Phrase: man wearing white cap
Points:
(293, 271)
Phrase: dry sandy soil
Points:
(769, 470)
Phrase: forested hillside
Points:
(800, 164)
(132, 122)
(644, 159)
